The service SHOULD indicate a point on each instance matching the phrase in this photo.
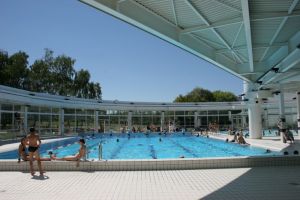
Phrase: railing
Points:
(100, 151)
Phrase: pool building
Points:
(257, 41)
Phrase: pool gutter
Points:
(166, 164)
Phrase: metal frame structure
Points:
(257, 41)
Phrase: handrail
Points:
(100, 151)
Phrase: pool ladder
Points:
(100, 151)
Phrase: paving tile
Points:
(239, 183)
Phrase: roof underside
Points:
(257, 41)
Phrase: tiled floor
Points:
(272, 143)
(240, 183)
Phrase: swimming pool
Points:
(151, 146)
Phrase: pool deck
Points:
(13, 146)
(239, 183)
(272, 143)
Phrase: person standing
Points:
(34, 142)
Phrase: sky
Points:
(130, 64)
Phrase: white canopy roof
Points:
(257, 40)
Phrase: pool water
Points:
(152, 146)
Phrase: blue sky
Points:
(129, 63)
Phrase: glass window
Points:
(33, 120)
(45, 110)
(6, 121)
(80, 111)
(69, 124)
(17, 107)
(33, 109)
(6, 107)
(213, 112)
(55, 110)
(179, 112)
(45, 121)
(90, 112)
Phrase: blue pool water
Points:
(141, 146)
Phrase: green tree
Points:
(62, 73)
(39, 77)
(180, 99)
(202, 95)
(81, 81)
(223, 96)
(54, 75)
(3, 63)
(14, 69)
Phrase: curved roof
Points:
(257, 40)
(9, 95)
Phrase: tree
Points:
(54, 75)
(81, 81)
(202, 95)
(222, 96)
(39, 77)
(62, 72)
(3, 64)
(13, 69)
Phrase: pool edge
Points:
(166, 164)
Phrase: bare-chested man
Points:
(34, 142)
(80, 155)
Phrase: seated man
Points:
(78, 156)
(288, 136)
(291, 136)
(240, 139)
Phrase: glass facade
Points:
(54, 122)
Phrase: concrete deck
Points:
(239, 183)
(272, 143)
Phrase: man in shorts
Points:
(34, 142)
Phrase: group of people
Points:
(235, 136)
(29, 151)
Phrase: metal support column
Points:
(96, 121)
(129, 120)
(162, 121)
(282, 120)
(255, 120)
(62, 121)
(196, 121)
(298, 112)
(25, 120)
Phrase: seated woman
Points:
(78, 156)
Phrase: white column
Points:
(254, 111)
(266, 118)
(244, 121)
(129, 120)
(298, 112)
(196, 121)
(255, 121)
(281, 113)
(281, 105)
(62, 121)
(96, 121)
(162, 120)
